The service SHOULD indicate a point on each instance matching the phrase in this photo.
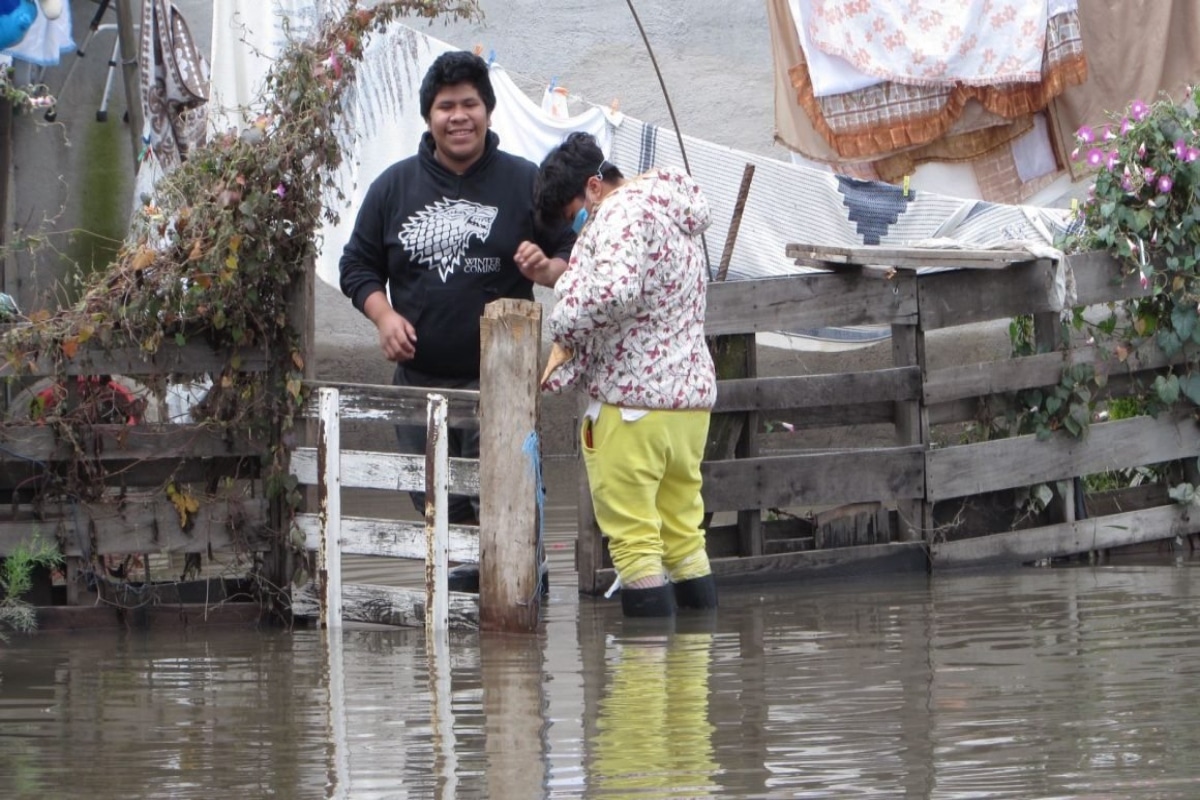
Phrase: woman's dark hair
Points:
(564, 174)
(451, 69)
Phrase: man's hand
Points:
(397, 337)
(537, 266)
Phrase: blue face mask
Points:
(581, 217)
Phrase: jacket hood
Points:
(677, 196)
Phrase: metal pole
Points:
(129, 72)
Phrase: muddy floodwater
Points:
(1079, 682)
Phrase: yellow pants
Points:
(645, 482)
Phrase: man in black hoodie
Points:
(444, 232)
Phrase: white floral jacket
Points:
(631, 303)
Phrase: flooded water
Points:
(1053, 683)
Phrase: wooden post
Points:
(509, 466)
(129, 71)
(329, 488)
(912, 421)
(437, 517)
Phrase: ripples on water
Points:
(1070, 683)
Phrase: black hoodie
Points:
(444, 245)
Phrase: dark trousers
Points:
(461, 442)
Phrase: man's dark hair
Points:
(564, 174)
(451, 69)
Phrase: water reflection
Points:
(1051, 683)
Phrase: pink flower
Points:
(1127, 183)
(1192, 154)
(1108, 134)
(1141, 151)
(1075, 154)
(1165, 183)
(1139, 110)
(1126, 125)
(1149, 175)
(1113, 159)
(1145, 282)
(280, 190)
(1095, 157)
(1085, 135)
(1180, 149)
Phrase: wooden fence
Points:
(506, 477)
(859, 509)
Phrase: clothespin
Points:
(553, 83)
(1074, 205)
(491, 58)
(615, 105)
(906, 182)
(478, 50)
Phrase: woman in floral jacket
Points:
(628, 326)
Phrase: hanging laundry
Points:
(175, 84)
(973, 42)
(16, 17)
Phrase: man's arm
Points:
(397, 337)
(538, 267)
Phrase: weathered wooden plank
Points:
(510, 466)
(396, 404)
(897, 558)
(363, 469)
(387, 605)
(128, 443)
(329, 492)
(1029, 372)
(808, 391)
(838, 478)
(195, 358)
(1067, 539)
(1023, 461)
(365, 536)
(1099, 278)
(809, 301)
(910, 257)
(960, 297)
(147, 526)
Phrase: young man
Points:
(440, 232)
(630, 320)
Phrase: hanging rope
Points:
(533, 458)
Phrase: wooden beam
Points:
(143, 442)
(510, 547)
(148, 526)
(364, 536)
(962, 470)
(387, 605)
(1067, 539)
(391, 471)
(808, 301)
(910, 257)
(897, 558)
(960, 297)
(194, 358)
(809, 391)
(393, 404)
(850, 476)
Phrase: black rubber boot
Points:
(465, 578)
(657, 601)
(696, 593)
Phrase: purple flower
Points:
(1148, 175)
(280, 190)
(1126, 125)
(1127, 183)
(1113, 159)
(1165, 183)
(1141, 151)
(1192, 154)
(1180, 149)
(1145, 282)
(1075, 154)
(1085, 135)
(1108, 134)
(1139, 110)
(1095, 157)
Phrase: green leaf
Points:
(1167, 388)
(180, 339)
(1053, 404)
(1169, 342)
(1183, 319)
(1190, 386)
(1183, 494)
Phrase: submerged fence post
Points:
(329, 491)
(510, 547)
(437, 517)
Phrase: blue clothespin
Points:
(553, 82)
(491, 58)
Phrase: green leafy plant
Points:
(16, 578)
